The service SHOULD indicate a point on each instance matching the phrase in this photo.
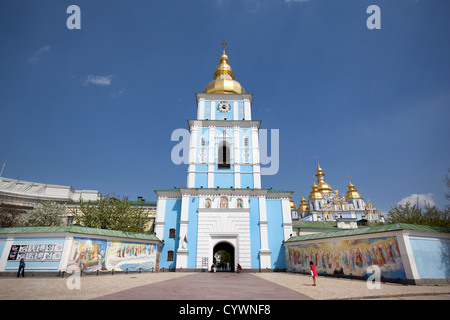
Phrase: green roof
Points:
(79, 229)
(366, 230)
(330, 225)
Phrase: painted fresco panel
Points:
(99, 254)
(348, 257)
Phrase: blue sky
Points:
(95, 108)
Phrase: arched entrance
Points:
(223, 257)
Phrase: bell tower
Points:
(223, 204)
(224, 146)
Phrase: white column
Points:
(235, 105)
(211, 146)
(213, 110)
(247, 111)
(264, 252)
(287, 219)
(183, 252)
(237, 156)
(201, 109)
(68, 241)
(159, 219)
(256, 161)
(192, 156)
(407, 255)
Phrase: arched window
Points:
(224, 154)
(203, 141)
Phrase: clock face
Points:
(224, 106)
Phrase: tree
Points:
(113, 213)
(413, 214)
(48, 213)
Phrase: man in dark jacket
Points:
(21, 268)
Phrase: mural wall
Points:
(348, 257)
(99, 254)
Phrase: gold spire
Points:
(223, 77)
(352, 193)
(322, 185)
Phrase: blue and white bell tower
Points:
(223, 205)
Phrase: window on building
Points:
(224, 155)
(171, 233)
(169, 255)
(245, 141)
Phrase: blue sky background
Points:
(95, 108)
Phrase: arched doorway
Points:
(223, 257)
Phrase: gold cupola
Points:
(315, 193)
(302, 207)
(322, 185)
(292, 203)
(224, 78)
(352, 193)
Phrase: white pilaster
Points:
(182, 252)
(201, 109)
(192, 158)
(237, 155)
(411, 267)
(159, 219)
(264, 252)
(248, 115)
(287, 219)
(68, 241)
(256, 159)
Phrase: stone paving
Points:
(208, 286)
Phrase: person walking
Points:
(21, 268)
(313, 272)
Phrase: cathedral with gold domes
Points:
(325, 204)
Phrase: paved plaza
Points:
(208, 286)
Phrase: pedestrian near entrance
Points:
(21, 268)
(313, 272)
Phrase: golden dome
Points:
(352, 193)
(322, 185)
(224, 79)
(315, 193)
(292, 203)
(303, 206)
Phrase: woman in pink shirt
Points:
(313, 272)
